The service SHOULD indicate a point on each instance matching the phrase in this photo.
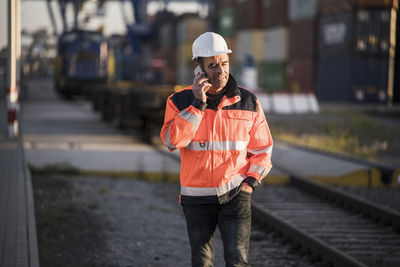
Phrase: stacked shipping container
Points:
(175, 38)
(188, 29)
(302, 15)
(354, 45)
(225, 12)
(277, 36)
(272, 68)
(274, 50)
(340, 49)
(167, 50)
(248, 37)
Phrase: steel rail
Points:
(389, 216)
(352, 201)
(315, 245)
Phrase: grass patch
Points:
(340, 131)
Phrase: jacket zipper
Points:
(213, 145)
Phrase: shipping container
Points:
(249, 43)
(163, 30)
(167, 35)
(335, 36)
(334, 80)
(301, 76)
(302, 39)
(370, 82)
(360, 80)
(372, 33)
(169, 75)
(231, 42)
(189, 28)
(363, 33)
(184, 63)
(377, 3)
(275, 44)
(169, 72)
(302, 9)
(224, 3)
(227, 22)
(272, 76)
(334, 6)
(185, 75)
(214, 13)
(274, 13)
(184, 54)
(248, 14)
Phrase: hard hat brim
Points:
(214, 54)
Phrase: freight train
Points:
(81, 62)
(130, 100)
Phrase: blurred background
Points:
(307, 57)
(339, 50)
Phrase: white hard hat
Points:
(209, 44)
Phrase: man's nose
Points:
(219, 68)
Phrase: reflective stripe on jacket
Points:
(218, 148)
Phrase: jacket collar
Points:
(232, 93)
(231, 87)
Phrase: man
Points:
(225, 147)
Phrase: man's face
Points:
(217, 70)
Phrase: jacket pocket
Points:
(239, 115)
(239, 123)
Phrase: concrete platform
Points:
(308, 163)
(328, 169)
(98, 156)
(18, 243)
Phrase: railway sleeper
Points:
(368, 208)
(308, 243)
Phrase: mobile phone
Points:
(198, 69)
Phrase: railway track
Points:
(332, 225)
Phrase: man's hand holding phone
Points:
(200, 84)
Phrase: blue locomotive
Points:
(81, 63)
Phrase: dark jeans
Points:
(234, 223)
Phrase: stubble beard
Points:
(218, 85)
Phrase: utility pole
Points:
(13, 66)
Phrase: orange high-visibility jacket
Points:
(219, 147)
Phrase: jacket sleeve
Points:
(180, 126)
(260, 146)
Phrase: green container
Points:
(272, 76)
(227, 22)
